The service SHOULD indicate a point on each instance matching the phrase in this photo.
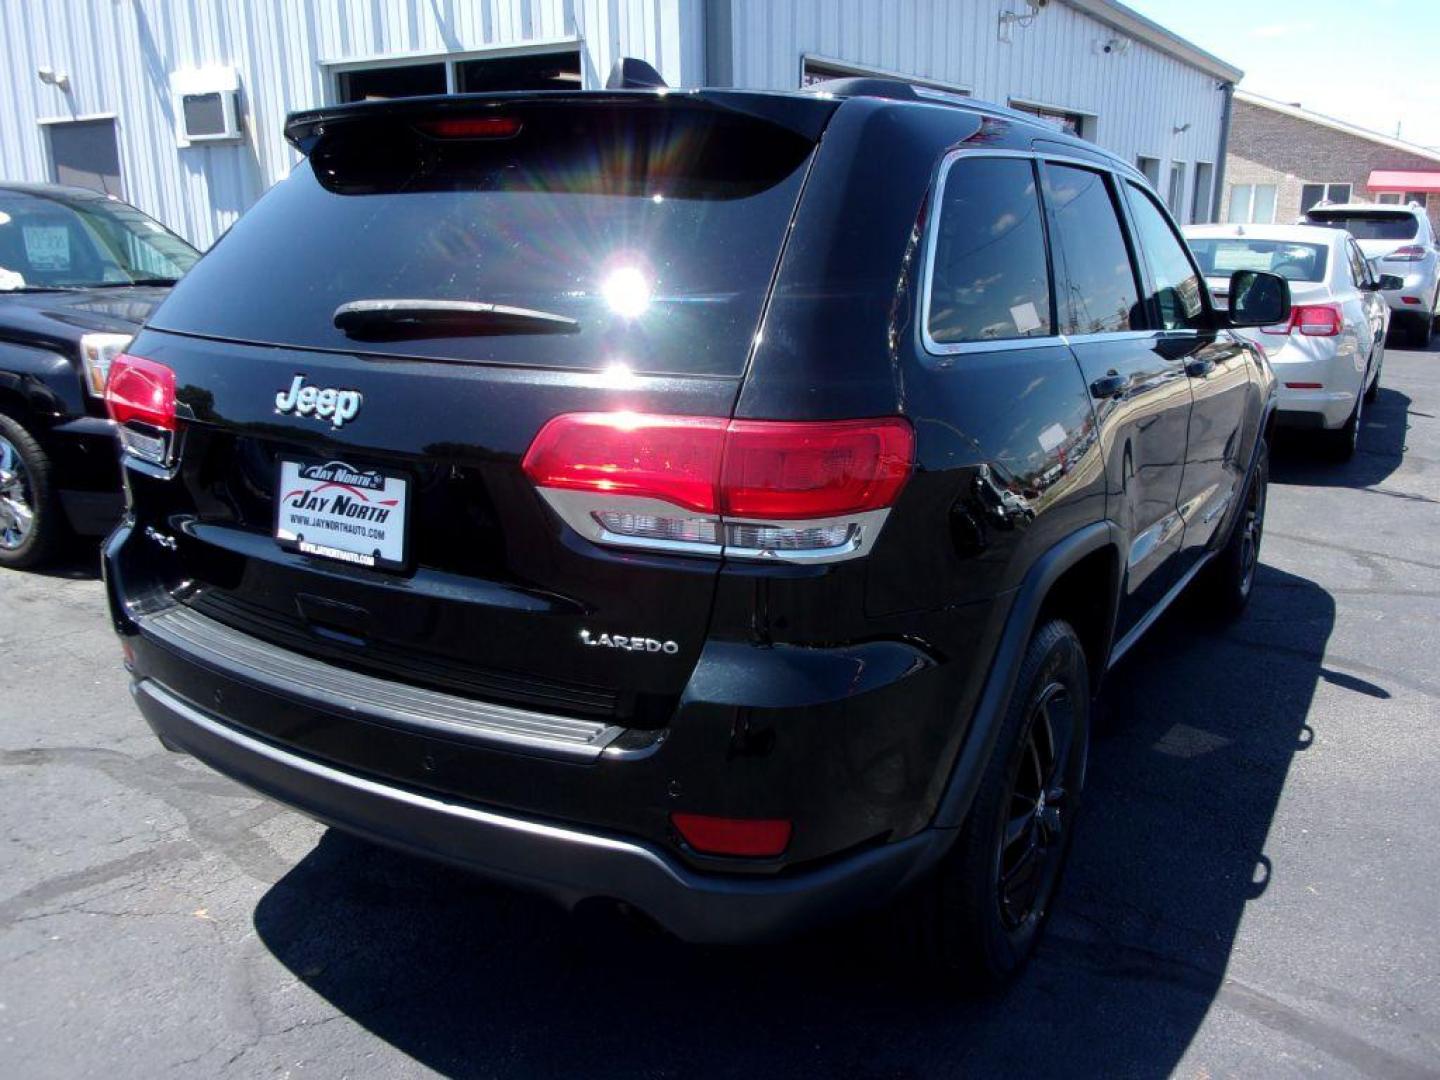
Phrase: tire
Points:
(964, 926)
(1373, 391)
(32, 525)
(1230, 578)
(1421, 331)
(1341, 444)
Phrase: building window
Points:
(1176, 199)
(1072, 123)
(1251, 204)
(1204, 188)
(1151, 168)
(1312, 194)
(534, 69)
(402, 80)
(84, 153)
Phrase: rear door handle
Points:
(1198, 369)
(1111, 384)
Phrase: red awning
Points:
(1401, 180)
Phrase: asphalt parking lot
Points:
(1255, 886)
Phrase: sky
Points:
(1375, 64)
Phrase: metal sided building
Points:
(178, 105)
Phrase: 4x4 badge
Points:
(324, 403)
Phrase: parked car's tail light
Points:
(1311, 320)
(1408, 253)
(98, 352)
(750, 837)
(1410, 300)
(808, 490)
(140, 397)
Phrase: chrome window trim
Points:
(940, 348)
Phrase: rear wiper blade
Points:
(381, 320)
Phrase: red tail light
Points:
(1408, 253)
(140, 397)
(141, 389)
(1312, 320)
(787, 471)
(824, 484)
(733, 836)
(675, 459)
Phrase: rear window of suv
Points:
(1369, 226)
(656, 229)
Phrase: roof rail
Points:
(899, 90)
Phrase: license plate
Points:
(339, 511)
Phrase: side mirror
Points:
(1390, 282)
(1258, 299)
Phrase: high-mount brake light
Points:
(472, 127)
(793, 490)
(140, 397)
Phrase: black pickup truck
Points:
(79, 272)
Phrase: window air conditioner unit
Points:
(207, 105)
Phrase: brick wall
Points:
(1267, 147)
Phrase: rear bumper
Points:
(568, 864)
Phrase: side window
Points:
(988, 277)
(1095, 283)
(1177, 285)
(1359, 269)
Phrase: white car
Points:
(1327, 358)
(1399, 241)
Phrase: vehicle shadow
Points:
(1201, 724)
(78, 560)
(1299, 458)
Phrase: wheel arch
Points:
(1081, 570)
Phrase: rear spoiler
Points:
(803, 115)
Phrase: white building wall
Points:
(119, 56)
(1139, 97)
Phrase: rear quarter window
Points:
(657, 230)
(988, 278)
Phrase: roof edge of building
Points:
(1131, 22)
(1251, 98)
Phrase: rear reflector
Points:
(472, 127)
(733, 836)
(1410, 299)
(1304, 386)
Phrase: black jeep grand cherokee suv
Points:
(720, 502)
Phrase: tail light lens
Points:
(811, 491)
(1311, 320)
(1408, 253)
(140, 397)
